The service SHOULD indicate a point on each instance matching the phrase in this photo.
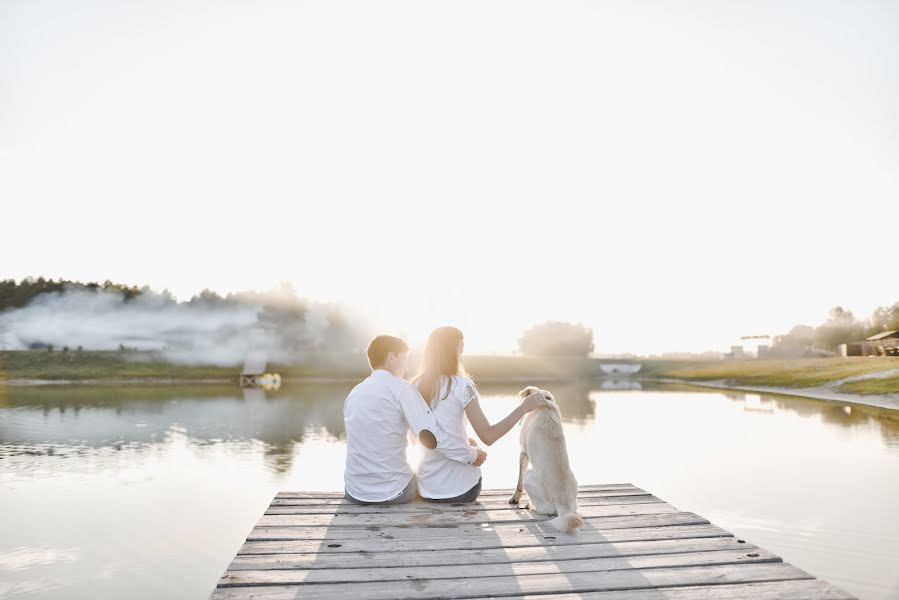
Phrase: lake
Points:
(148, 492)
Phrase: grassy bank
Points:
(150, 367)
(803, 373)
(884, 385)
(88, 365)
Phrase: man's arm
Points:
(421, 420)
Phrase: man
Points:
(378, 413)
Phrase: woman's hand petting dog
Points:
(533, 401)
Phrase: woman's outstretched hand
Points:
(533, 401)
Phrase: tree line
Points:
(19, 294)
(281, 311)
(841, 327)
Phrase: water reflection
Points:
(574, 399)
(61, 422)
(845, 415)
(53, 421)
(620, 384)
(108, 490)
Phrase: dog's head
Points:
(548, 403)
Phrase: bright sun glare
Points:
(673, 176)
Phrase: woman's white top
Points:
(439, 476)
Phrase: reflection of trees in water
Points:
(573, 398)
(60, 420)
(833, 413)
(295, 413)
(103, 420)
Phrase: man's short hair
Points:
(381, 346)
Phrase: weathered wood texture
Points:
(633, 546)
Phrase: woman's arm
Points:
(490, 433)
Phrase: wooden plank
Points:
(524, 584)
(313, 560)
(542, 528)
(594, 565)
(288, 507)
(583, 489)
(454, 541)
(442, 518)
(325, 503)
(633, 546)
(800, 589)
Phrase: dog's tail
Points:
(567, 523)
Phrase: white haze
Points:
(186, 332)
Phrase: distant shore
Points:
(862, 381)
(886, 401)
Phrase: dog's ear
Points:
(528, 391)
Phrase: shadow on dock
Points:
(632, 546)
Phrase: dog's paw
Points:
(514, 499)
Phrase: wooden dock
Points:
(633, 546)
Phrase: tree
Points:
(799, 338)
(556, 338)
(841, 327)
(885, 318)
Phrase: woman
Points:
(453, 396)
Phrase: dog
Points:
(551, 486)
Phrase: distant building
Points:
(254, 367)
(619, 368)
(736, 353)
(885, 343)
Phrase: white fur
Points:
(551, 486)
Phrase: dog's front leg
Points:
(522, 467)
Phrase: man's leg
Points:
(346, 495)
(408, 495)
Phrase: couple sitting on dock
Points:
(384, 411)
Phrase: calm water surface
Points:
(149, 492)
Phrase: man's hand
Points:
(471, 442)
(482, 456)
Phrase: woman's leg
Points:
(469, 496)
(473, 493)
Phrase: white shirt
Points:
(377, 414)
(439, 477)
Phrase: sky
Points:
(672, 175)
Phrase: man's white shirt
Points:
(377, 415)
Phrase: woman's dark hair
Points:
(440, 359)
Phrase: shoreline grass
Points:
(798, 373)
(135, 367)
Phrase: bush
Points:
(555, 338)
